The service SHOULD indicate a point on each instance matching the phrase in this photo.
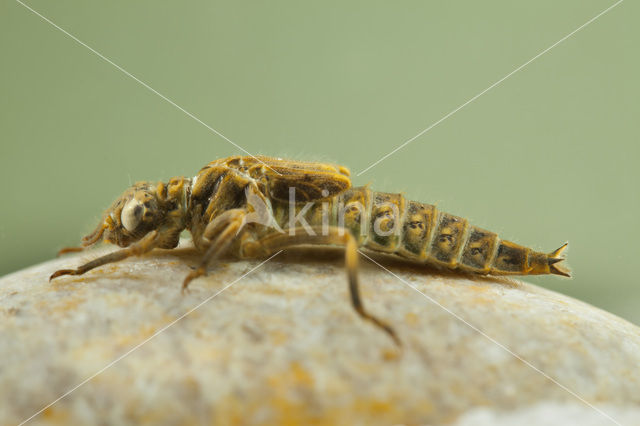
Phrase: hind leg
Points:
(335, 236)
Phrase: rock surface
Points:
(283, 345)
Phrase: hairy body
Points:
(256, 206)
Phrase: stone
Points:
(281, 344)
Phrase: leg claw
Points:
(192, 275)
(61, 272)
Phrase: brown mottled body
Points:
(258, 206)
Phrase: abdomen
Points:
(389, 223)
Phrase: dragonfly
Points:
(253, 207)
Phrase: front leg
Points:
(221, 232)
(146, 244)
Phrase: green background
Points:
(549, 155)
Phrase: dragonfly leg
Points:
(146, 244)
(221, 232)
(335, 236)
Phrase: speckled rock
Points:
(282, 345)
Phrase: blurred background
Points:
(547, 156)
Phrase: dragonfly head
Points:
(135, 213)
(131, 216)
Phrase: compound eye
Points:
(131, 215)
